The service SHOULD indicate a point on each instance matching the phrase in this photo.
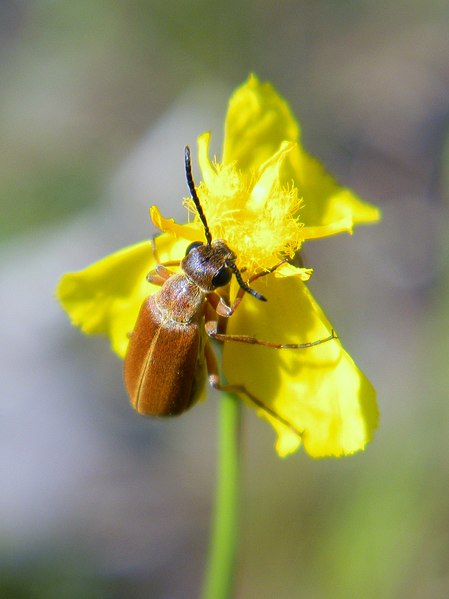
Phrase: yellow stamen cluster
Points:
(258, 218)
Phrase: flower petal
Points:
(319, 390)
(345, 225)
(288, 270)
(106, 297)
(325, 201)
(267, 179)
(257, 122)
(207, 169)
(190, 232)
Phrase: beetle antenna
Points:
(243, 285)
(195, 197)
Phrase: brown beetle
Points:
(168, 353)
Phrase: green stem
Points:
(219, 579)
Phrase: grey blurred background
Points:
(97, 102)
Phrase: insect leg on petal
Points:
(214, 380)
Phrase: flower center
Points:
(256, 216)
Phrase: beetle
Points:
(168, 351)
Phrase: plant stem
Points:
(219, 579)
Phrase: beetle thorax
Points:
(179, 300)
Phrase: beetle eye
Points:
(222, 277)
(193, 245)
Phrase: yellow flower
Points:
(265, 199)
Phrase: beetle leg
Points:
(155, 250)
(212, 331)
(214, 380)
(219, 305)
(159, 275)
(157, 257)
(154, 279)
(241, 292)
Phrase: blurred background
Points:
(97, 102)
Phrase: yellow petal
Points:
(267, 179)
(207, 170)
(326, 202)
(345, 225)
(257, 122)
(168, 225)
(106, 297)
(318, 390)
(288, 270)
